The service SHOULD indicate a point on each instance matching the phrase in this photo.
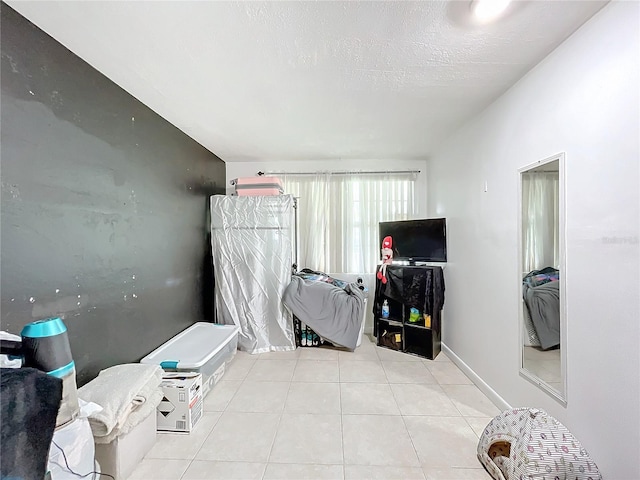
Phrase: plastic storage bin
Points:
(203, 347)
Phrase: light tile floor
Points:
(546, 364)
(327, 414)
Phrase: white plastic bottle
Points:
(385, 309)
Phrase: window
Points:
(540, 221)
(338, 216)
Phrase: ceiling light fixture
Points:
(488, 10)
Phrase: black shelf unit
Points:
(391, 334)
(410, 286)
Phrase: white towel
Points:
(120, 391)
(143, 405)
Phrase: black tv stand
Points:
(410, 286)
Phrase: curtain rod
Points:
(355, 172)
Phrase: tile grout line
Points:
(415, 450)
(275, 434)
(216, 422)
(187, 469)
(222, 412)
(460, 412)
(191, 460)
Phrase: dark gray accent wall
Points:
(104, 206)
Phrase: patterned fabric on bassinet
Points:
(525, 443)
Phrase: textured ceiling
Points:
(310, 80)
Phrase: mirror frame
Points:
(553, 392)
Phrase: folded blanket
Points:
(143, 405)
(124, 392)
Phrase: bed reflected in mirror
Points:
(542, 275)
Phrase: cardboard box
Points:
(120, 457)
(181, 406)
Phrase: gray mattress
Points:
(332, 312)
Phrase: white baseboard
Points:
(475, 378)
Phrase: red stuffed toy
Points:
(387, 258)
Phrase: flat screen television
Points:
(417, 240)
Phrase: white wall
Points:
(583, 100)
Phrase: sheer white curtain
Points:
(540, 210)
(338, 216)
